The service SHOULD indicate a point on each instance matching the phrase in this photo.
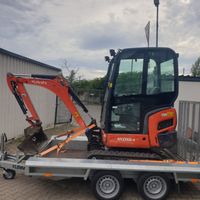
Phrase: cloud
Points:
(16, 5)
(185, 1)
(83, 31)
(180, 28)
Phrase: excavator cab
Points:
(141, 88)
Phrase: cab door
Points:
(125, 115)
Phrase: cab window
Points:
(160, 75)
(129, 79)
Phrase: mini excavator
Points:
(137, 113)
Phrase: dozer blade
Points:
(34, 140)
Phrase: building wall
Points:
(188, 91)
(12, 120)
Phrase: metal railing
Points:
(88, 97)
(189, 130)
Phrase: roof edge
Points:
(9, 53)
(189, 78)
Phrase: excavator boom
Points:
(56, 84)
(34, 135)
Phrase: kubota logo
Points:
(121, 139)
(39, 82)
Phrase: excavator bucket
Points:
(33, 141)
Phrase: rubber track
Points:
(122, 155)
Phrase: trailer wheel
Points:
(107, 185)
(153, 186)
(9, 174)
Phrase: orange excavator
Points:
(137, 114)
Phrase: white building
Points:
(12, 120)
(188, 90)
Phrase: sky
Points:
(83, 31)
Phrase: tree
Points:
(79, 84)
(72, 73)
(195, 70)
(94, 84)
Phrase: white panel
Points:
(12, 120)
(188, 91)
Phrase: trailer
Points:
(152, 177)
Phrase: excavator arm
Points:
(56, 84)
(34, 135)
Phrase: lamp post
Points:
(156, 3)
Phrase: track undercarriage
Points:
(36, 141)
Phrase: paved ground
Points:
(29, 188)
(32, 188)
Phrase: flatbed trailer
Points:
(153, 177)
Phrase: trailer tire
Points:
(153, 186)
(107, 185)
(9, 174)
